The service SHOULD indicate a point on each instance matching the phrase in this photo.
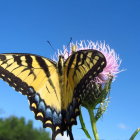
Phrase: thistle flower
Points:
(103, 81)
(113, 60)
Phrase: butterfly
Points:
(54, 89)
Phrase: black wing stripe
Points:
(17, 59)
(43, 65)
(2, 57)
(14, 81)
(77, 60)
(84, 57)
(29, 61)
(87, 63)
(70, 63)
(76, 65)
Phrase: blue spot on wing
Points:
(56, 119)
(48, 113)
(41, 106)
(31, 90)
(37, 98)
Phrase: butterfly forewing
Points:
(80, 67)
(80, 63)
(37, 78)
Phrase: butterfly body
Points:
(54, 89)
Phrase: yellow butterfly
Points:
(54, 89)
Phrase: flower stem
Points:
(83, 126)
(93, 123)
(134, 134)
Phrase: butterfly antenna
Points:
(69, 41)
(68, 45)
(51, 45)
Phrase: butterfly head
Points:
(61, 59)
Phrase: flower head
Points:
(112, 59)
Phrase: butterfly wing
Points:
(36, 77)
(80, 68)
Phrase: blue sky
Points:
(26, 25)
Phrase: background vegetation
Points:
(14, 128)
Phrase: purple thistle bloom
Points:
(113, 60)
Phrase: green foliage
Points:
(13, 128)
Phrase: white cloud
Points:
(60, 137)
(122, 126)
